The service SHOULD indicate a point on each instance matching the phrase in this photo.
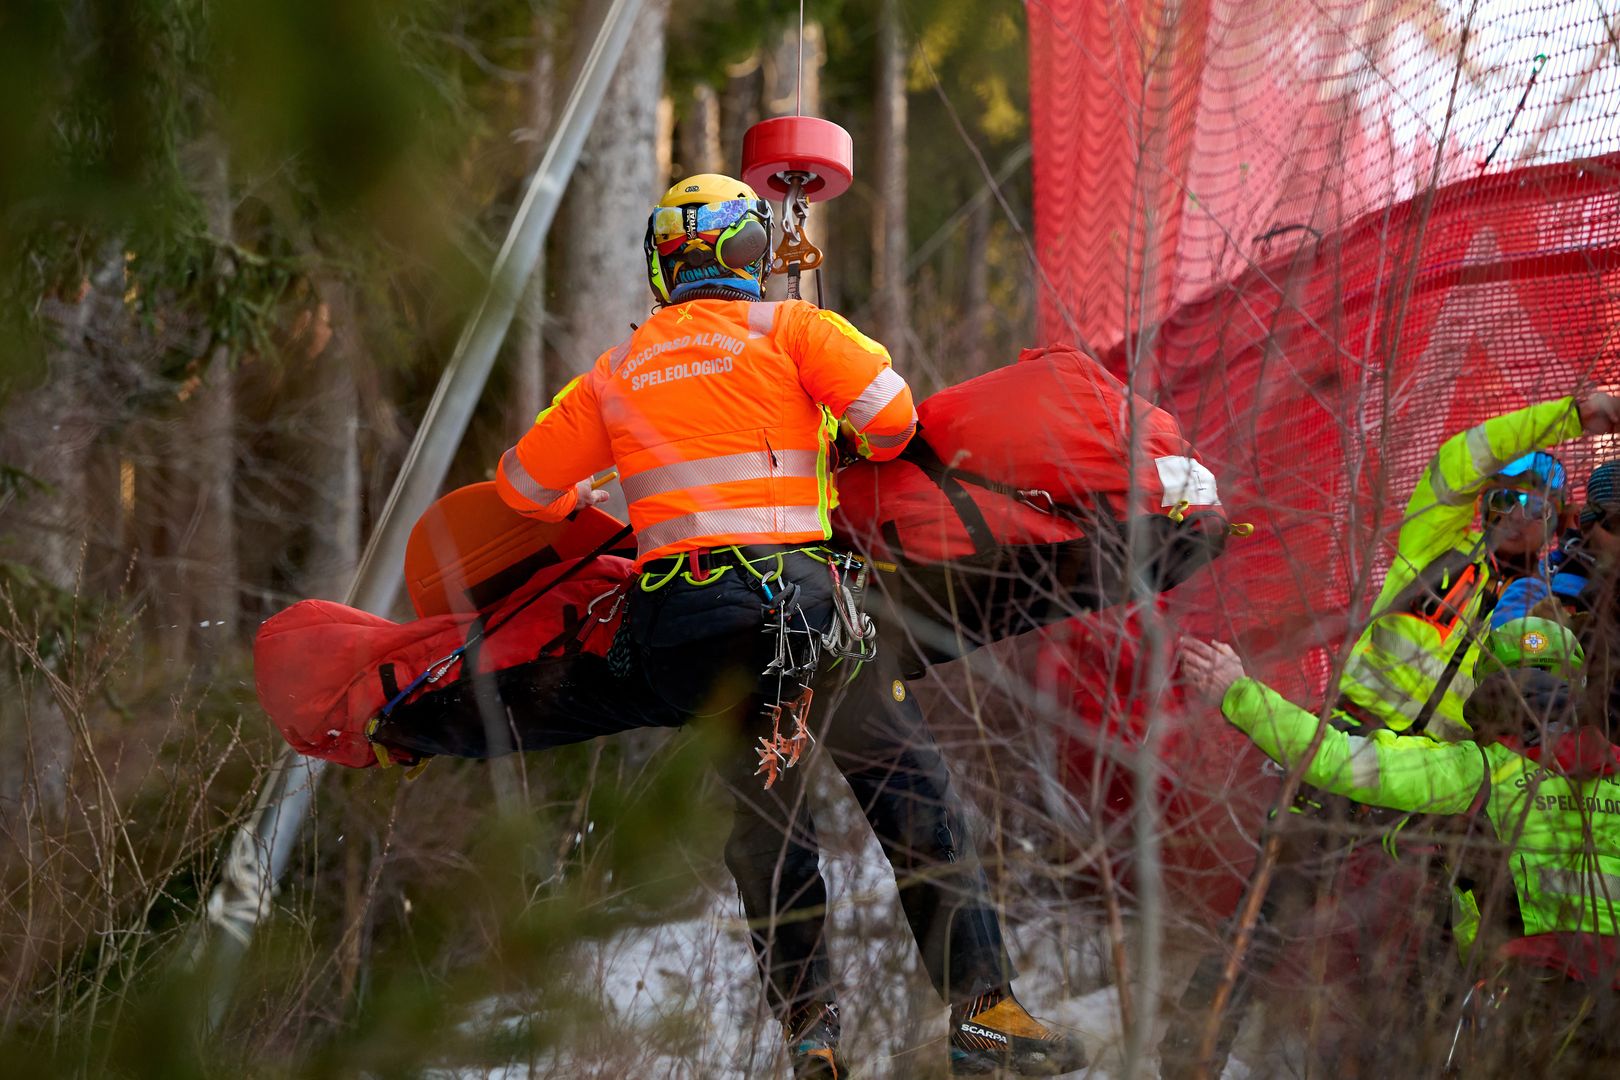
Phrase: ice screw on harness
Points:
(783, 752)
(798, 666)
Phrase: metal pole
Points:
(261, 850)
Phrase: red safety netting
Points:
(1323, 244)
(1175, 149)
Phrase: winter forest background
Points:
(238, 242)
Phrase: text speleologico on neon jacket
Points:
(1562, 832)
(1403, 654)
(719, 415)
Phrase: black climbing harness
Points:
(797, 653)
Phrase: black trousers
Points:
(702, 648)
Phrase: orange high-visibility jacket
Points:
(718, 415)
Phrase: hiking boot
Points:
(992, 1031)
(812, 1038)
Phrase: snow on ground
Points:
(682, 999)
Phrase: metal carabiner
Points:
(775, 575)
(441, 667)
(617, 592)
(1028, 497)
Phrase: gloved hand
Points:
(589, 495)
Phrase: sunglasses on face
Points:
(1528, 503)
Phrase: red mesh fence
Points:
(1324, 237)
(1172, 138)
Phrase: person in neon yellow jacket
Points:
(1412, 667)
(1548, 784)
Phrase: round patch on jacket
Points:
(898, 690)
(1533, 642)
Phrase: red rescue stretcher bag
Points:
(1021, 502)
(356, 689)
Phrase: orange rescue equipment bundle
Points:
(1025, 454)
(1031, 493)
(338, 682)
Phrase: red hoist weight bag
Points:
(1021, 479)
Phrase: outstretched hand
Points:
(1210, 668)
(1600, 413)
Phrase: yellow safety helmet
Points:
(708, 231)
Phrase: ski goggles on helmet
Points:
(673, 226)
(1531, 484)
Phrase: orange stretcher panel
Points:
(470, 549)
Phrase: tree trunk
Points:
(206, 550)
(739, 109)
(783, 81)
(975, 295)
(203, 550)
(604, 215)
(890, 315)
(330, 447)
(529, 365)
(699, 133)
(49, 433)
(664, 143)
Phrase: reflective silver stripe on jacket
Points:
(1364, 771)
(1387, 643)
(750, 465)
(524, 484)
(742, 521)
(1389, 693)
(761, 317)
(884, 442)
(1580, 883)
(1485, 460)
(879, 392)
(1444, 724)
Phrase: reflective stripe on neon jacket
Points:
(1401, 656)
(1562, 834)
(718, 415)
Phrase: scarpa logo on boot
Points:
(983, 1032)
